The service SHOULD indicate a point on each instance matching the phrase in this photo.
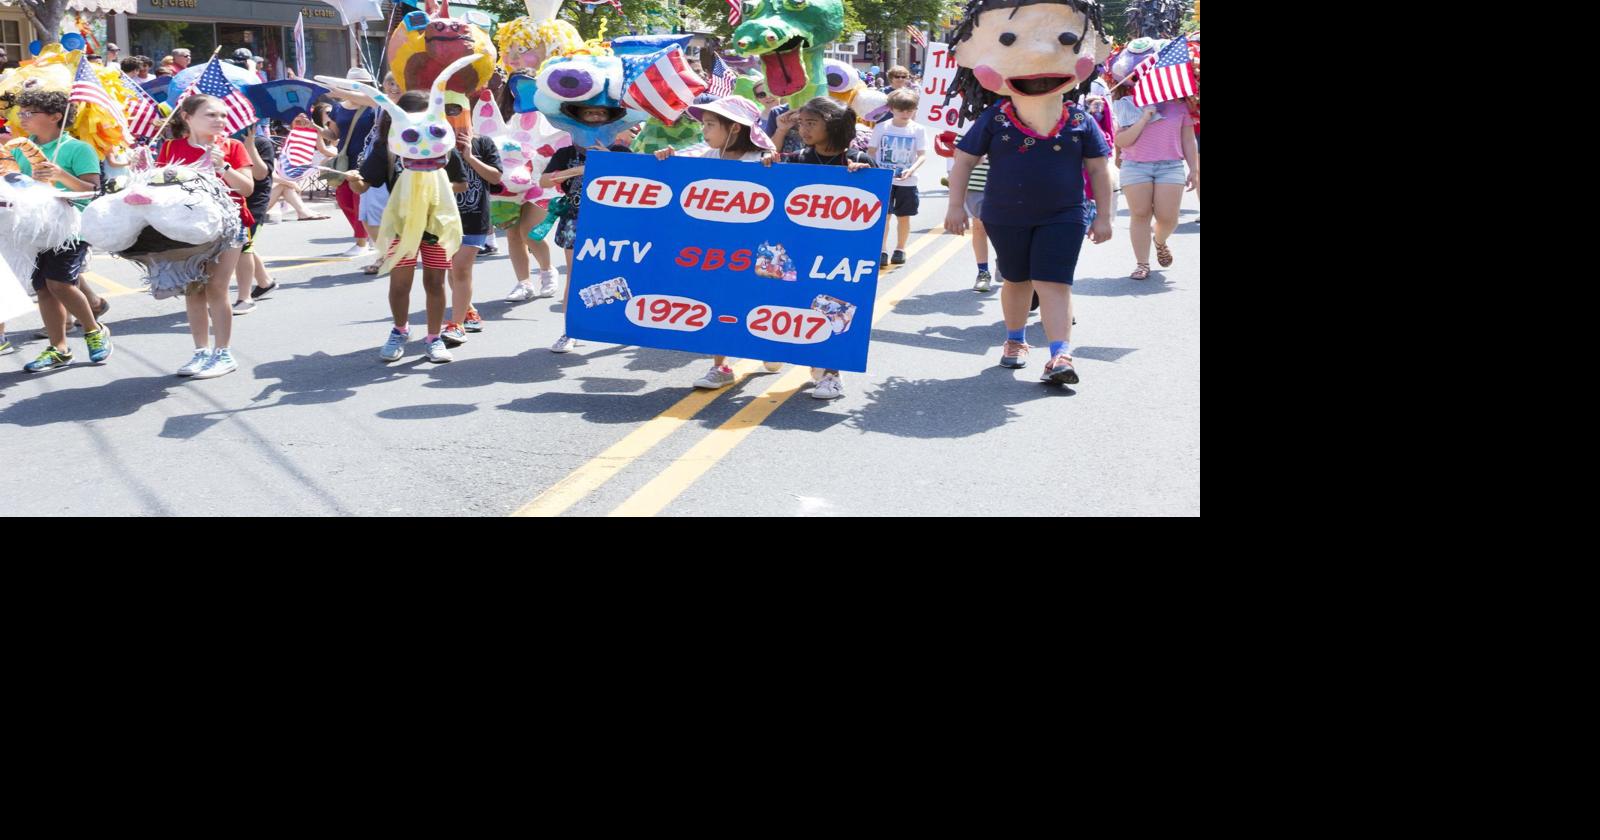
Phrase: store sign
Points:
(175, 4)
(258, 11)
(317, 13)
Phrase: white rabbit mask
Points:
(424, 136)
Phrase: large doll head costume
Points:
(573, 89)
(427, 42)
(525, 43)
(173, 222)
(53, 70)
(1037, 50)
(846, 87)
(788, 36)
(525, 144)
(421, 201)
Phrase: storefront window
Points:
(156, 38)
(327, 52)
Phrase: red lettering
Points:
(842, 207)
(737, 205)
(603, 184)
(715, 259)
(797, 205)
(688, 257)
(864, 211)
(696, 196)
(740, 260)
(717, 202)
(626, 192)
(650, 194)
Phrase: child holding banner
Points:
(828, 129)
(481, 161)
(731, 133)
(566, 168)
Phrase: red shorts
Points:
(432, 256)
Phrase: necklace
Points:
(1029, 138)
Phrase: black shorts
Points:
(250, 238)
(1048, 253)
(63, 265)
(904, 201)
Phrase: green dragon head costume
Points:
(789, 35)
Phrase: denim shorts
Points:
(475, 240)
(1047, 253)
(1156, 172)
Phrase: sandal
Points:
(372, 269)
(1142, 272)
(316, 218)
(1163, 255)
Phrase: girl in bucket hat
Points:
(732, 127)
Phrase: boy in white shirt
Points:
(901, 145)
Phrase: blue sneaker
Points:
(395, 347)
(50, 359)
(99, 343)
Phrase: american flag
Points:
(299, 152)
(660, 84)
(142, 112)
(1171, 76)
(736, 15)
(916, 35)
(722, 79)
(86, 89)
(241, 113)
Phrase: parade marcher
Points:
(251, 275)
(901, 144)
(352, 128)
(1018, 60)
(198, 141)
(51, 156)
(286, 190)
(828, 129)
(1155, 142)
(481, 168)
(732, 132)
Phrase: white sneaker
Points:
(358, 251)
(717, 377)
(438, 353)
(772, 367)
(522, 292)
(201, 358)
(828, 388)
(221, 364)
(547, 284)
(564, 344)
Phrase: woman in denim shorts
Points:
(1153, 144)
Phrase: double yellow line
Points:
(689, 467)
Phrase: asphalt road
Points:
(315, 424)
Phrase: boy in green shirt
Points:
(72, 166)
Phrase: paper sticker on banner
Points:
(729, 258)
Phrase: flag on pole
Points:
(660, 84)
(241, 113)
(300, 45)
(1171, 76)
(86, 89)
(299, 152)
(916, 35)
(722, 79)
(142, 112)
(736, 12)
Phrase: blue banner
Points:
(723, 257)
